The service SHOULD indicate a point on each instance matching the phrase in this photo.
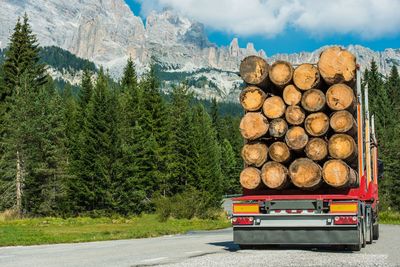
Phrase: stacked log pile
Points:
(300, 125)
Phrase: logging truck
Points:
(311, 159)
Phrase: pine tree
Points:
(129, 79)
(86, 89)
(229, 168)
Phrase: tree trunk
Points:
(305, 173)
(317, 149)
(313, 100)
(279, 152)
(306, 76)
(278, 128)
(296, 138)
(18, 183)
(291, 95)
(250, 178)
(253, 125)
(274, 107)
(317, 124)
(281, 73)
(340, 97)
(274, 175)
(252, 98)
(295, 115)
(337, 65)
(254, 70)
(338, 174)
(342, 146)
(343, 122)
(255, 154)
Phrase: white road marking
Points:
(155, 259)
(193, 252)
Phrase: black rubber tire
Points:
(245, 246)
(370, 232)
(364, 234)
(359, 245)
(375, 231)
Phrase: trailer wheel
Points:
(375, 231)
(241, 246)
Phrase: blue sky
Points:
(285, 36)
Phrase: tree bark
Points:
(342, 146)
(18, 183)
(296, 138)
(254, 70)
(253, 125)
(274, 107)
(255, 154)
(279, 152)
(295, 115)
(281, 73)
(317, 149)
(250, 178)
(306, 76)
(305, 173)
(317, 124)
(343, 122)
(338, 174)
(252, 98)
(313, 100)
(291, 95)
(278, 128)
(337, 65)
(340, 97)
(274, 175)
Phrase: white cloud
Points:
(367, 18)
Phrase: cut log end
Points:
(279, 152)
(252, 98)
(340, 97)
(306, 76)
(278, 128)
(317, 124)
(305, 173)
(274, 175)
(342, 146)
(296, 138)
(343, 122)
(295, 115)
(281, 73)
(313, 100)
(253, 125)
(274, 107)
(250, 178)
(291, 95)
(338, 174)
(337, 65)
(255, 154)
(317, 149)
(254, 70)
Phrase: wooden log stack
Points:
(299, 126)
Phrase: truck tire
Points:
(241, 246)
(364, 234)
(375, 231)
(358, 246)
(370, 232)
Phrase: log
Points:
(252, 98)
(274, 107)
(342, 146)
(296, 138)
(255, 154)
(279, 152)
(254, 70)
(316, 149)
(317, 124)
(250, 178)
(291, 95)
(253, 125)
(343, 122)
(278, 128)
(305, 173)
(295, 115)
(313, 100)
(337, 65)
(306, 76)
(281, 73)
(340, 97)
(274, 175)
(337, 173)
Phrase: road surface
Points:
(211, 248)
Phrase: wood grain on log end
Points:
(338, 174)
(254, 70)
(279, 152)
(342, 146)
(252, 98)
(317, 124)
(278, 128)
(253, 125)
(305, 173)
(313, 100)
(295, 115)
(291, 95)
(255, 154)
(250, 178)
(274, 107)
(274, 175)
(340, 97)
(306, 76)
(281, 73)
(296, 138)
(317, 149)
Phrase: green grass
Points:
(56, 230)
(389, 217)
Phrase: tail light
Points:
(345, 220)
(242, 220)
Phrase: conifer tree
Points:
(86, 89)
(229, 168)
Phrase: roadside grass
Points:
(389, 217)
(34, 231)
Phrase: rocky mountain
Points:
(107, 33)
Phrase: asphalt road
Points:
(211, 248)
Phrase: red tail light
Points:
(242, 220)
(345, 220)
